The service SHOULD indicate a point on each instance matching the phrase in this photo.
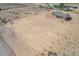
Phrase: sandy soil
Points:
(43, 33)
(39, 33)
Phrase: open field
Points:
(38, 33)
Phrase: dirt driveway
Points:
(43, 33)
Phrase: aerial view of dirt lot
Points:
(43, 29)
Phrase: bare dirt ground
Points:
(40, 34)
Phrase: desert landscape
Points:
(31, 30)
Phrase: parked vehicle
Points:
(59, 14)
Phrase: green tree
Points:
(61, 6)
